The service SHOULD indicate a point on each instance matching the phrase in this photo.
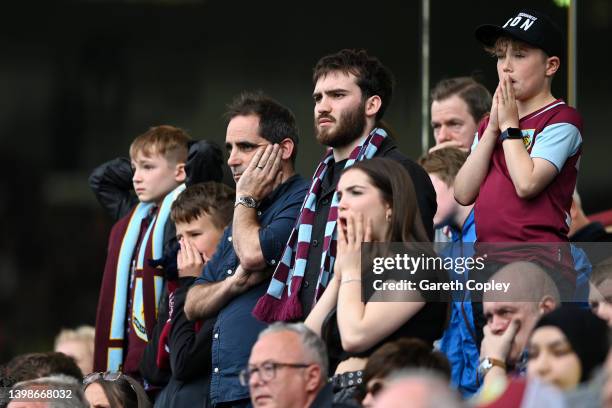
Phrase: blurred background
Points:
(81, 79)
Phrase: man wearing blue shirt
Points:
(262, 140)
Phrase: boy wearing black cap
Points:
(524, 161)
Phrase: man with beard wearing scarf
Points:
(352, 91)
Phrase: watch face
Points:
(248, 201)
(515, 133)
(484, 367)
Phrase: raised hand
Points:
(263, 174)
(493, 116)
(507, 109)
(498, 345)
(189, 260)
(348, 253)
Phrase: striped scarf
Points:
(112, 311)
(281, 302)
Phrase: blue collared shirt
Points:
(236, 329)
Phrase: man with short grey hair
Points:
(56, 391)
(288, 368)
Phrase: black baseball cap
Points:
(531, 27)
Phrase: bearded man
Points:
(352, 92)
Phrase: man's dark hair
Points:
(404, 354)
(276, 122)
(373, 78)
(474, 94)
(36, 365)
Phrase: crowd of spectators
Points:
(260, 294)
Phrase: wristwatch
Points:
(511, 133)
(487, 364)
(247, 201)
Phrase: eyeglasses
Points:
(266, 370)
(108, 376)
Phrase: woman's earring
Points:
(388, 217)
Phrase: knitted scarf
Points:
(112, 311)
(281, 302)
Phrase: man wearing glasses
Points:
(288, 368)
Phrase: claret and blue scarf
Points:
(281, 302)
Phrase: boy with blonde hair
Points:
(132, 283)
(79, 344)
(524, 161)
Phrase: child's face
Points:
(445, 198)
(526, 67)
(201, 233)
(154, 177)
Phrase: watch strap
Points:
(247, 201)
(487, 364)
(511, 133)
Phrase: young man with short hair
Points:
(352, 91)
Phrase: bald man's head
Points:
(528, 282)
(531, 293)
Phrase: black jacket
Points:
(190, 358)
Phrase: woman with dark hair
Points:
(377, 203)
(114, 390)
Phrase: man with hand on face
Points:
(352, 91)
(262, 142)
(511, 316)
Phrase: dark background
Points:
(81, 79)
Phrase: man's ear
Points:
(372, 105)
(287, 147)
(313, 377)
(179, 173)
(552, 65)
(547, 304)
